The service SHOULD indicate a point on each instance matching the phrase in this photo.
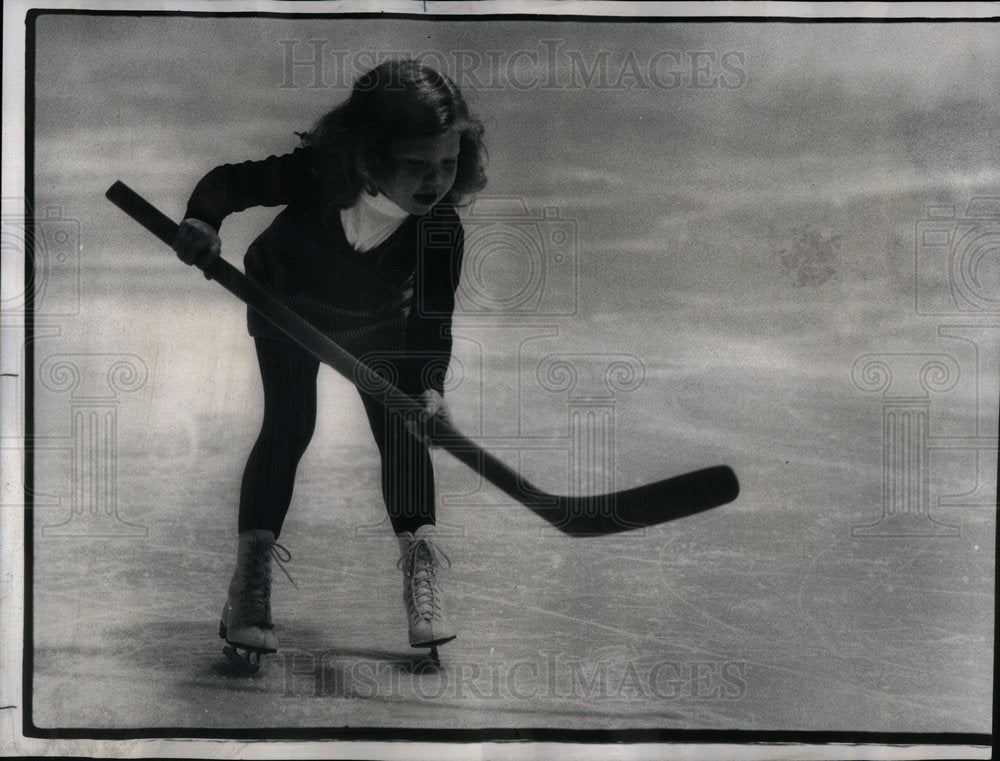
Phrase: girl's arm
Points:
(274, 181)
(228, 188)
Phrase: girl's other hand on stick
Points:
(434, 409)
(197, 243)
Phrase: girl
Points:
(369, 250)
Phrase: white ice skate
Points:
(419, 560)
(246, 618)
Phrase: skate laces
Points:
(256, 592)
(419, 562)
(282, 555)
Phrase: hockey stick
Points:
(579, 516)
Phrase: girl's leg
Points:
(407, 472)
(408, 490)
(289, 377)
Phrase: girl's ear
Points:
(367, 178)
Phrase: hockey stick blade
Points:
(647, 505)
(643, 506)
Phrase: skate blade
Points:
(224, 634)
(433, 656)
(245, 660)
(433, 644)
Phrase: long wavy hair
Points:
(396, 101)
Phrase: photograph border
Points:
(379, 734)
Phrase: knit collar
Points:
(381, 206)
(370, 221)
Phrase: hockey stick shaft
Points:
(575, 515)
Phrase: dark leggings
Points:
(289, 376)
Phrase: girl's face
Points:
(424, 172)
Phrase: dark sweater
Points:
(394, 301)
